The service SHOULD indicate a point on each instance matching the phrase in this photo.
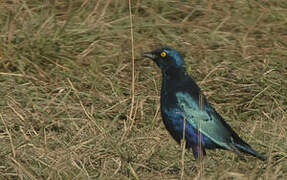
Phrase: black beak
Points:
(149, 55)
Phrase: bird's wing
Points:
(205, 119)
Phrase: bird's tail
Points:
(245, 148)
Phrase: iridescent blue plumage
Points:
(181, 99)
(174, 123)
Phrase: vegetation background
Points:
(68, 108)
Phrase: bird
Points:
(186, 112)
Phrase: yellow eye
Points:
(163, 54)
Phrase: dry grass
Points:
(66, 91)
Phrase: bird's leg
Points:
(198, 152)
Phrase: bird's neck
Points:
(174, 74)
(172, 78)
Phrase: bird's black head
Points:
(166, 58)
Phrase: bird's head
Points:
(166, 58)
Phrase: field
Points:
(79, 102)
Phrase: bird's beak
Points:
(149, 55)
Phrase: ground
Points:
(71, 108)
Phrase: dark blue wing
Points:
(205, 119)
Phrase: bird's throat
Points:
(171, 79)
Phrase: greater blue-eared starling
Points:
(183, 106)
